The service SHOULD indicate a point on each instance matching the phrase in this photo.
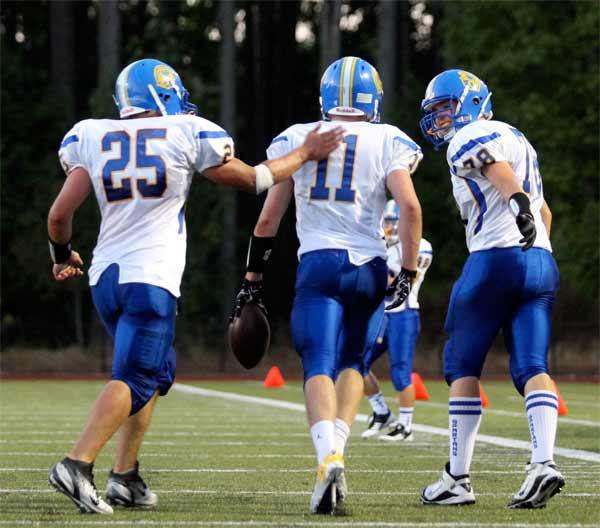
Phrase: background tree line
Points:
(254, 67)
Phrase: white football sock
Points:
(405, 415)
(378, 404)
(323, 436)
(342, 431)
(464, 417)
(542, 415)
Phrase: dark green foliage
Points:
(540, 59)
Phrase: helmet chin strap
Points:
(157, 100)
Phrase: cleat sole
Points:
(547, 490)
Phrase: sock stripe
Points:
(464, 412)
(542, 403)
(406, 412)
(472, 403)
(535, 395)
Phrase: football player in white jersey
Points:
(509, 281)
(140, 169)
(342, 275)
(396, 331)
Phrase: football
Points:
(249, 335)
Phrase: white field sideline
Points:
(578, 454)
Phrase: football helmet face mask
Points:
(150, 84)
(391, 214)
(351, 87)
(453, 99)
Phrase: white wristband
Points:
(264, 178)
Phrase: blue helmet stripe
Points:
(346, 81)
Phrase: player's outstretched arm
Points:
(502, 177)
(236, 173)
(261, 245)
(67, 263)
(410, 221)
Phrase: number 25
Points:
(142, 159)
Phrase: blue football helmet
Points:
(351, 86)
(391, 215)
(150, 84)
(466, 99)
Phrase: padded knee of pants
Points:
(456, 368)
(141, 392)
(318, 370)
(521, 376)
(353, 361)
(400, 379)
(143, 366)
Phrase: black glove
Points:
(526, 225)
(520, 206)
(250, 291)
(400, 288)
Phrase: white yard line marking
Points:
(35, 491)
(321, 522)
(576, 475)
(514, 414)
(176, 431)
(578, 454)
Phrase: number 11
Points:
(345, 193)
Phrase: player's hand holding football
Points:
(69, 269)
(250, 291)
(317, 145)
(400, 288)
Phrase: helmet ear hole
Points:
(476, 100)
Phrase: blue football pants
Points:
(506, 289)
(334, 302)
(396, 332)
(141, 320)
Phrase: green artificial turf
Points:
(217, 462)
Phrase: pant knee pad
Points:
(316, 371)
(401, 380)
(521, 376)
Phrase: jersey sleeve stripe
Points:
(407, 142)
(278, 139)
(480, 199)
(473, 143)
(426, 252)
(71, 139)
(212, 134)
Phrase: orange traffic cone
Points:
(274, 378)
(483, 396)
(562, 406)
(420, 390)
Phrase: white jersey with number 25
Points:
(490, 223)
(141, 171)
(340, 200)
